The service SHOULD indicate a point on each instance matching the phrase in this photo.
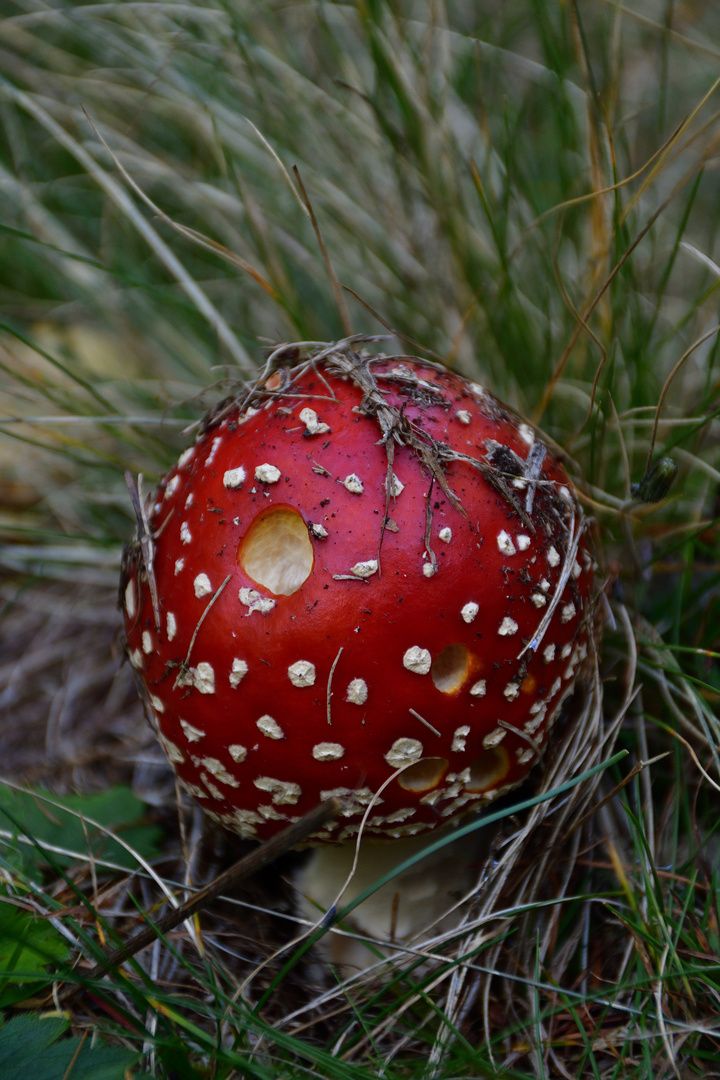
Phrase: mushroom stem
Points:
(418, 904)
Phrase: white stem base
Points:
(412, 907)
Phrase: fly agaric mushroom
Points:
(364, 566)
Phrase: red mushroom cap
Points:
(372, 564)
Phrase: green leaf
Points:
(63, 825)
(31, 1046)
(27, 945)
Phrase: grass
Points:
(528, 191)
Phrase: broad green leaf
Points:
(31, 1046)
(27, 813)
(27, 945)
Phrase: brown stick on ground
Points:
(250, 864)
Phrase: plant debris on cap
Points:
(364, 564)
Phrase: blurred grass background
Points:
(528, 190)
